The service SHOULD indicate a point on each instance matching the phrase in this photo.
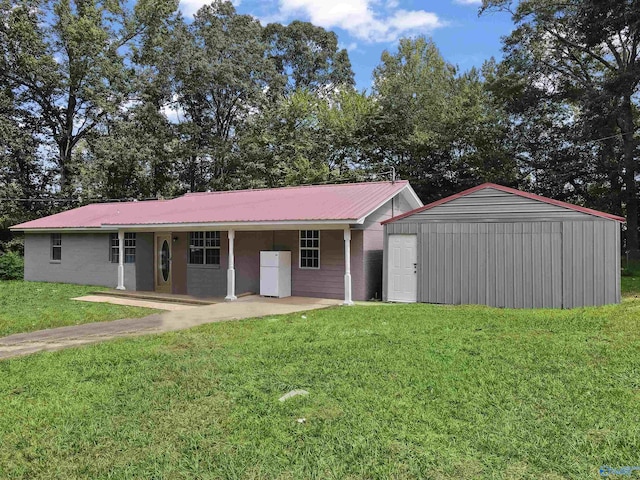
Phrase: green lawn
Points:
(414, 391)
(631, 286)
(29, 306)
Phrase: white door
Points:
(402, 285)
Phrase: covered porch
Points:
(223, 261)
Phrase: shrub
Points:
(11, 266)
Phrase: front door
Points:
(402, 283)
(163, 262)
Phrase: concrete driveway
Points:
(245, 307)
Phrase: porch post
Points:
(347, 267)
(120, 260)
(231, 272)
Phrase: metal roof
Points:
(520, 193)
(348, 203)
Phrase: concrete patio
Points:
(245, 307)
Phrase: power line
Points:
(77, 200)
(334, 181)
(605, 138)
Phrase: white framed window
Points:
(204, 248)
(114, 250)
(129, 248)
(56, 247)
(310, 249)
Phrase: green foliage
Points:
(11, 266)
(67, 62)
(119, 100)
(396, 391)
(30, 306)
(307, 57)
(572, 83)
(441, 130)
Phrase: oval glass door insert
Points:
(165, 260)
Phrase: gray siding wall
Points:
(144, 262)
(208, 280)
(491, 205)
(590, 263)
(85, 261)
(517, 265)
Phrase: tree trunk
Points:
(66, 143)
(192, 173)
(631, 188)
(64, 164)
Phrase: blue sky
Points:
(367, 27)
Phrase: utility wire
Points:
(115, 200)
(94, 200)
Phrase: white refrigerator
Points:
(275, 274)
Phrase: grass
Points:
(29, 306)
(407, 391)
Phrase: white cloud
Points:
(351, 47)
(468, 2)
(190, 7)
(360, 19)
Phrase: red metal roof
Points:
(502, 188)
(341, 202)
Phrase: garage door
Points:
(403, 277)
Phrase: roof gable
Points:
(341, 203)
(494, 202)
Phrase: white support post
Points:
(347, 267)
(231, 272)
(120, 260)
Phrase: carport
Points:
(502, 247)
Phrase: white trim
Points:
(120, 261)
(292, 224)
(414, 195)
(65, 229)
(231, 272)
(204, 248)
(308, 248)
(409, 190)
(52, 246)
(348, 300)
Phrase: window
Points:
(204, 248)
(309, 248)
(114, 251)
(56, 247)
(129, 248)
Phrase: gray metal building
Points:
(497, 246)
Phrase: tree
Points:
(307, 58)
(133, 158)
(70, 63)
(439, 129)
(221, 77)
(586, 51)
(23, 179)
